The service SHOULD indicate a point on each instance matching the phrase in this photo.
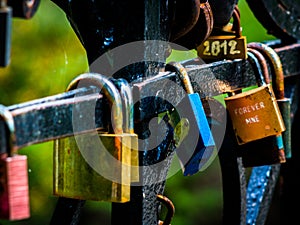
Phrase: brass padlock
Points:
(14, 189)
(268, 150)
(255, 113)
(278, 86)
(128, 124)
(170, 207)
(227, 43)
(95, 166)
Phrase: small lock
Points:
(255, 113)
(170, 209)
(5, 34)
(95, 166)
(198, 145)
(126, 95)
(268, 150)
(14, 189)
(227, 43)
(283, 102)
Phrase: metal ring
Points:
(7, 117)
(170, 206)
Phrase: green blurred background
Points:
(46, 55)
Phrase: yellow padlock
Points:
(95, 166)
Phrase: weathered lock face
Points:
(254, 114)
(93, 173)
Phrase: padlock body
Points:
(285, 109)
(14, 194)
(255, 114)
(199, 141)
(5, 35)
(223, 47)
(93, 167)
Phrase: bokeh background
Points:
(46, 55)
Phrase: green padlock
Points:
(128, 124)
(95, 166)
(278, 87)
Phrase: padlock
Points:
(268, 150)
(227, 43)
(255, 113)
(14, 191)
(128, 124)
(199, 141)
(170, 209)
(5, 33)
(283, 102)
(95, 165)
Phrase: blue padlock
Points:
(198, 146)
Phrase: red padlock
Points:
(14, 190)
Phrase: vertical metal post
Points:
(103, 25)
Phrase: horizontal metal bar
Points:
(50, 118)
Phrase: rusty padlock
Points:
(228, 43)
(255, 113)
(128, 124)
(170, 207)
(283, 102)
(14, 189)
(99, 162)
(268, 150)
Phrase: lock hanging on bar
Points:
(95, 165)
(197, 147)
(14, 194)
(227, 43)
(283, 102)
(128, 124)
(255, 113)
(268, 150)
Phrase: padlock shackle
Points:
(257, 68)
(110, 92)
(8, 119)
(179, 69)
(263, 64)
(236, 26)
(126, 95)
(276, 67)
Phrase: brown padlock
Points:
(14, 190)
(255, 113)
(269, 150)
